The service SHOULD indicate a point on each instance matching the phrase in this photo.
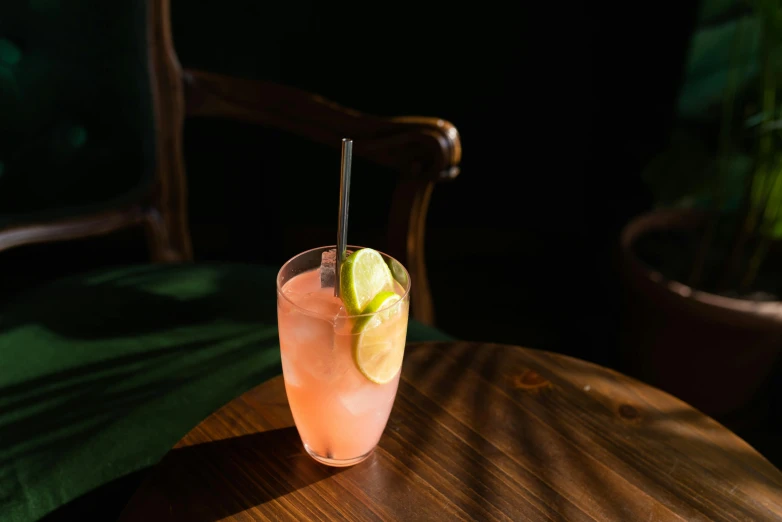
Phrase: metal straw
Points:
(344, 197)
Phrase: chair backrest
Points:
(88, 100)
(96, 100)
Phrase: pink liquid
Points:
(339, 413)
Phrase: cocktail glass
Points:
(339, 412)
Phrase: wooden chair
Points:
(423, 150)
(102, 373)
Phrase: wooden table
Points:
(478, 432)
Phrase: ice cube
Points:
(322, 303)
(289, 371)
(363, 399)
(306, 330)
(306, 340)
(328, 269)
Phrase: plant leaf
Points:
(713, 59)
(712, 11)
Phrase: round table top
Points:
(478, 432)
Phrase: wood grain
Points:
(428, 147)
(72, 227)
(478, 432)
(168, 234)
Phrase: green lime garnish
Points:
(363, 275)
(379, 345)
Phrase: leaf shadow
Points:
(52, 415)
(146, 299)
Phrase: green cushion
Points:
(76, 127)
(102, 374)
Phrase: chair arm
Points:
(428, 147)
(423, 150)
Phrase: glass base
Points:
(338, 463)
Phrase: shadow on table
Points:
(214, 480)
(667, 448)
(573, 452)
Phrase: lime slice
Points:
(363, 275)
(382, 302)
(398, 272)
(379, 346)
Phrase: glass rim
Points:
(349, 247)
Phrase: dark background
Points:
(558, 108)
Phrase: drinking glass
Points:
(340, 414)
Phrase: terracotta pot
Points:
(711, 351)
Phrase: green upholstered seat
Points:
(101, 374)
(76, 119)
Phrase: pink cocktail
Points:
(339, 412)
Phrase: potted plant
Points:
(703, 271)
